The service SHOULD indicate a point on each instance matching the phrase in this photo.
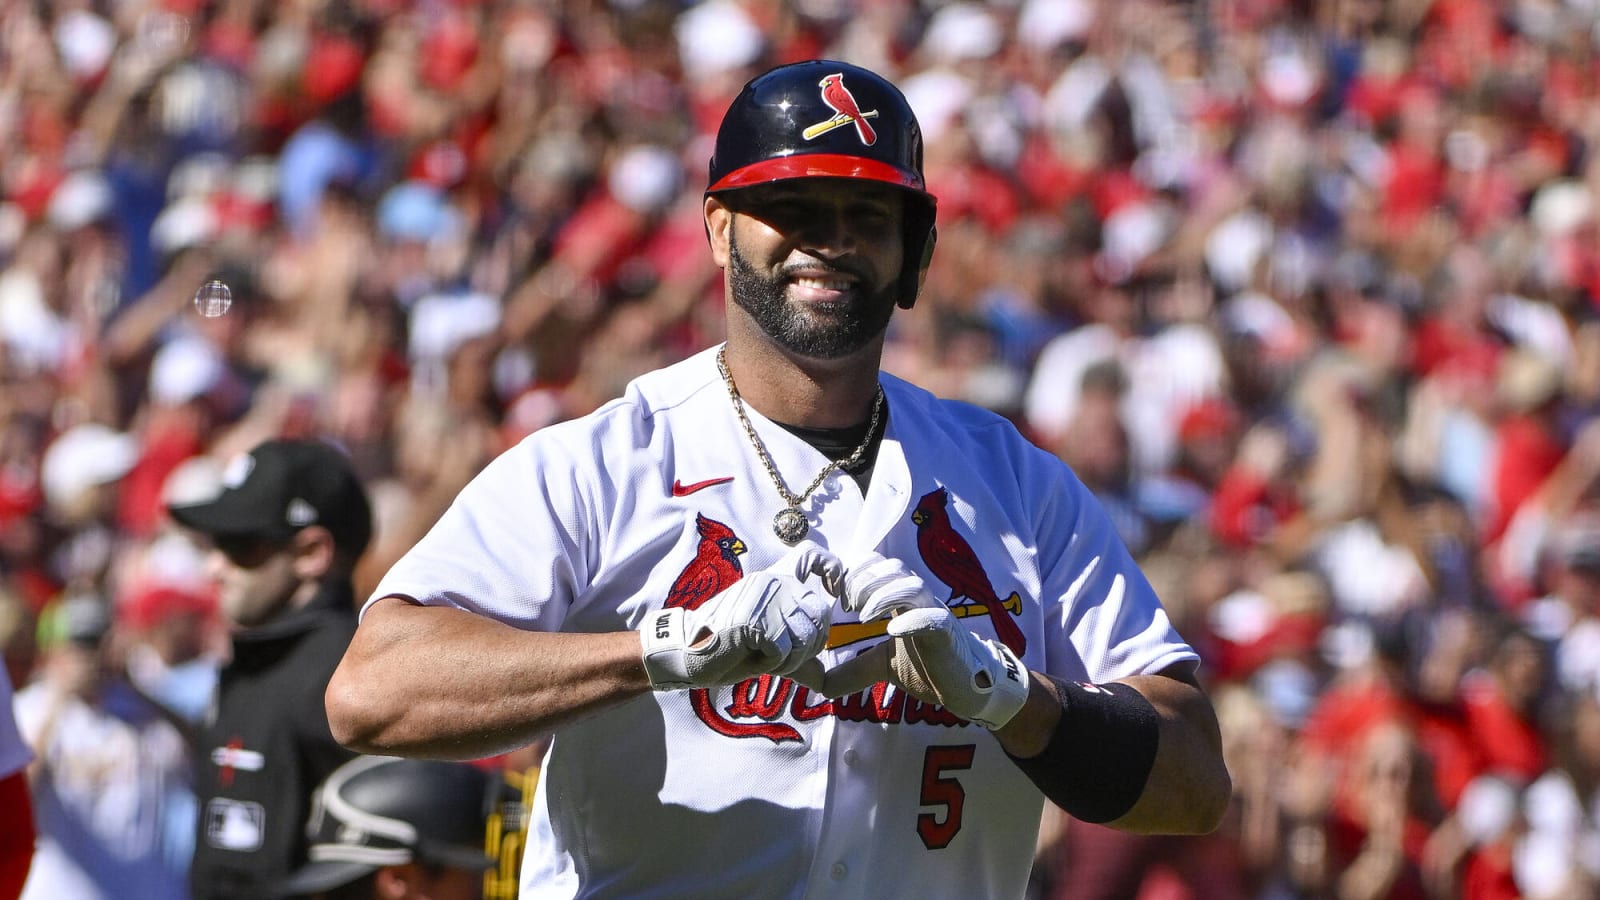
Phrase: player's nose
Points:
(829, 232)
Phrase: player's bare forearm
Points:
(444, 683)
(1188, 788)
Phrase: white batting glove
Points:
(879, 586)
(808, 560)
(875, 587)
(937, 660)
(930, 654)
(766, 623)
(805, 561)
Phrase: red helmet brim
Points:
(817, 165)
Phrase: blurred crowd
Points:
(1305, 290)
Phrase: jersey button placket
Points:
(839, 871)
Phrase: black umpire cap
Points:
(281, 487)
(377, 811)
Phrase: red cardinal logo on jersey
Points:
(756, 706)
(845, 112)
(715, 565)
(948, 555)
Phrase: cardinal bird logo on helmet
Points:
(846, 111)
(715, 565)
(948, 555)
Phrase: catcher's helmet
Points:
(827, 119)
(377, 811)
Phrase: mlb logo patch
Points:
(235, 825)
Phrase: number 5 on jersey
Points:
(936, 830)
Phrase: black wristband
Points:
(1100, 756)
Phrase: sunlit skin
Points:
(815, 263)
(833, 251)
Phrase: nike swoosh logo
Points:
(679, 489)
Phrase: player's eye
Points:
(786, 204)
(871, 214)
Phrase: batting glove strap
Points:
(666, 650)
(937, 660)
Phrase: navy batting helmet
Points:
(828, 119)
(377, 811)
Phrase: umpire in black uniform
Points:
(285, 533)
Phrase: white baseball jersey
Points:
(764, 789)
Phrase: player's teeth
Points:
(823, 284)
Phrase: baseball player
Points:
(399, 829)
(799, 628)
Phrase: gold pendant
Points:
(790, 525)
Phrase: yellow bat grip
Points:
(844, 633)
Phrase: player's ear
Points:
(314, 549)
(922, 269)
(394, 882)
(719, 225)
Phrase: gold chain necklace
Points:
(790, 523)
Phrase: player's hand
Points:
(768, 622)
(808, 560)
(929, 653)
(937, 660)
(878, 587)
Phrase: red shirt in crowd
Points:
(1509, 742)
(1526, 452)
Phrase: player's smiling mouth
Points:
(824, 284)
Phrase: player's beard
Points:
(816, 330)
